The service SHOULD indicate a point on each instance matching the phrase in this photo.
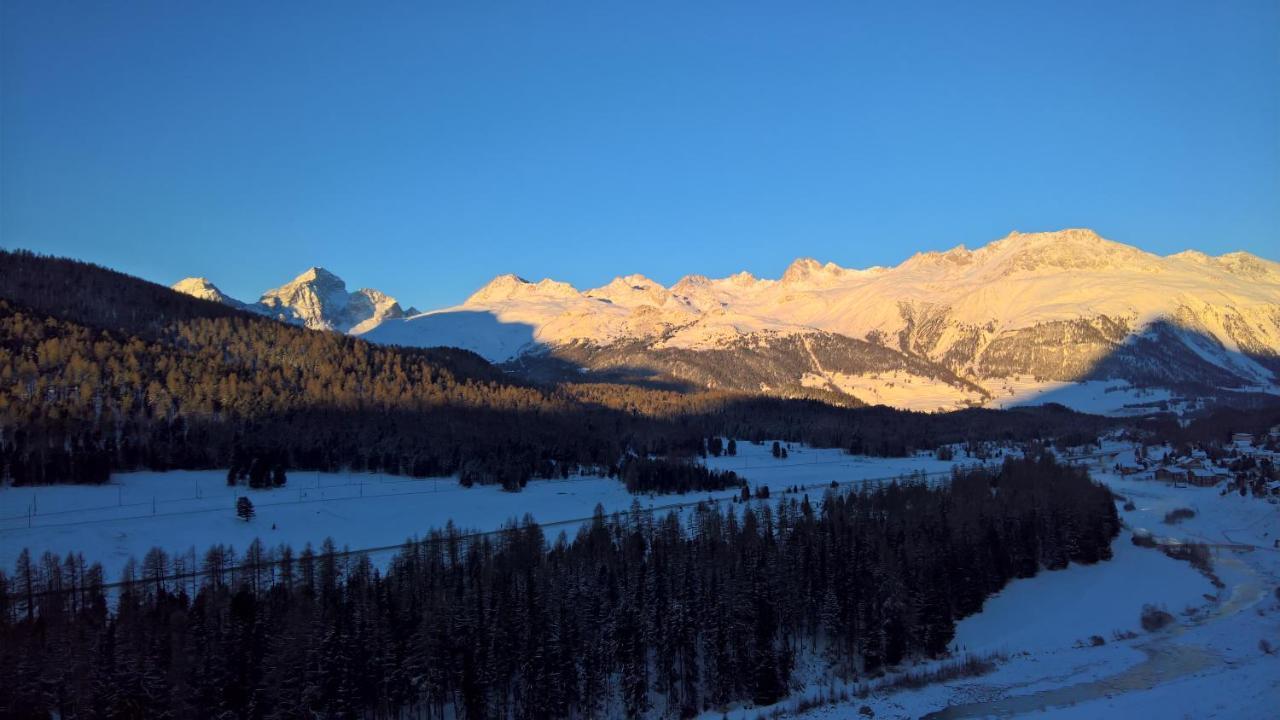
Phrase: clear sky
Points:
(421, 148)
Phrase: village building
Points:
(1205, 478)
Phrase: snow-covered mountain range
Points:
(1067, 316)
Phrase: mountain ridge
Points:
(316, 298)
(994, 322)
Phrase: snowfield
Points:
(897, 389)
(180, 510)
(1100, 397)
(1056, 610)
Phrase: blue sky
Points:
(421, 148)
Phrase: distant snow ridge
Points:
(1001, 324)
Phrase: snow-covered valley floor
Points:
(180, 510)
(1208, 666)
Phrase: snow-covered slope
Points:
(1029, 309)
(317, 299)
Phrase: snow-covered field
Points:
(896, 389)
(1101, 397)
(180, 510)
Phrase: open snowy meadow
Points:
(180, 510)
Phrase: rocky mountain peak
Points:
(1249, 266)
(317, 274)
(201, 288)
(691, 283)
(807, 269)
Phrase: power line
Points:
(463, 537)
(472, 536)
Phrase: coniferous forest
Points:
(632, 613)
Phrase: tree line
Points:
(636, 614)
(661, 476)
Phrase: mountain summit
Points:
(201, 288)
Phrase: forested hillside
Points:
(100, 371)
(635, 613)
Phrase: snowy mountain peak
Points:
(317, 274)
(1071, 240)
(513, 287)
(636, 280)
(317, 297)
(1080, 235)
(1076, 249)
(632, 291)
(201, 288)
(957, 256)
(555, 288)
(691, 283)
(313, 280)
(1248, 265)
(809, 270)
(501, 287)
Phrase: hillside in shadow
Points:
(1163, 367)
(478, 331)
